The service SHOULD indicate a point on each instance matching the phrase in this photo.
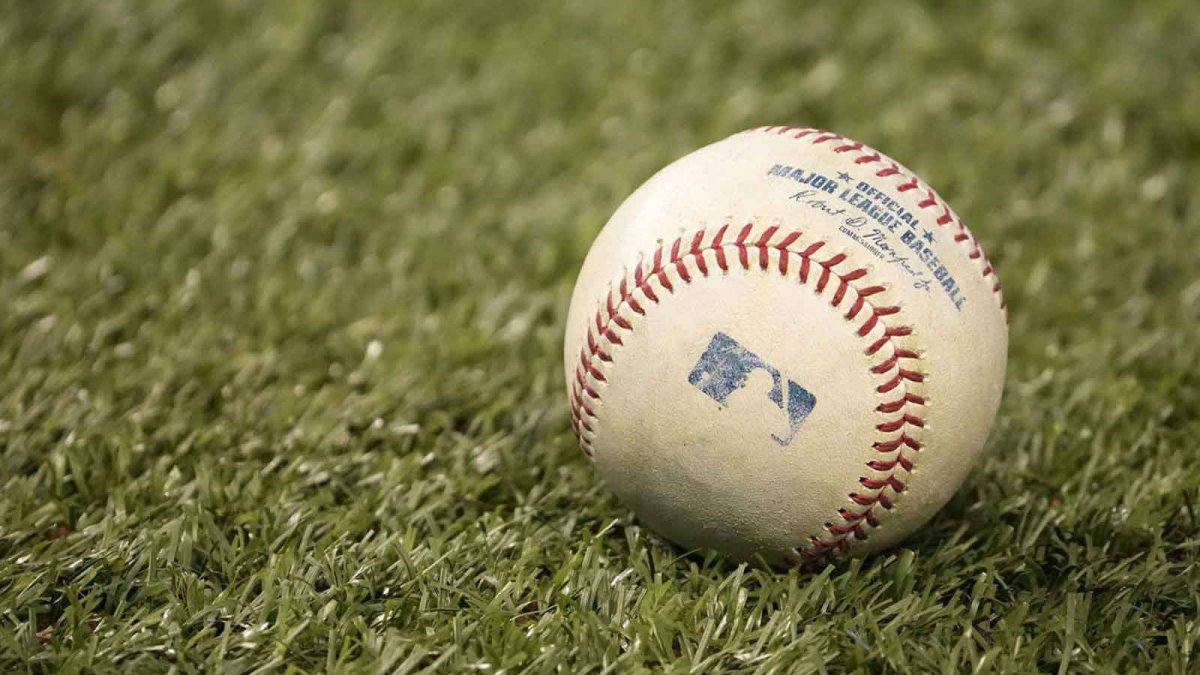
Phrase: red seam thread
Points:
(902, 408)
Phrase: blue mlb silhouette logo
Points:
(724, 368)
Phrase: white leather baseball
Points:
(785, 345)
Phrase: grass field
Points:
(282, 291)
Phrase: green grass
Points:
(282, 290)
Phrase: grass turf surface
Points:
(282, 291)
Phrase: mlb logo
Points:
(724, 368)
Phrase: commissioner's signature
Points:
(878, 238)
(875, 241)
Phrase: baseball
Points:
(785, 346)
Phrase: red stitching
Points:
(893, 406)
(898, 423)
(894, 444)
(892, 482)
(889, 464)
(896, 371)
(930, 201)
(890, 363)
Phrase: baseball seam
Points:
(893, 365)
(892, 169)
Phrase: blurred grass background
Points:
(282, 289)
